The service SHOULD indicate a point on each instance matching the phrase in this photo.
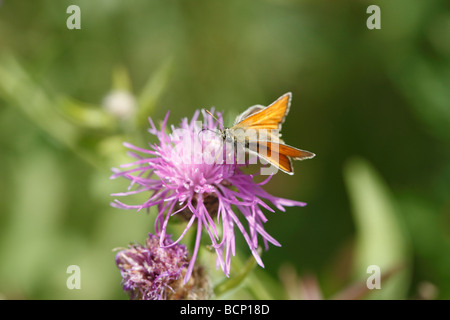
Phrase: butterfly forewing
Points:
(270, 118)
(251, 110)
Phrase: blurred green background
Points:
(374, 105)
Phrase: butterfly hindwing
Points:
(278, 154)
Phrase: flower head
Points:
(183, 177)
(152, 272)
(120, 103)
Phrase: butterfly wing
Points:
(267, 122)
(251, 110)
(269, 118)
(278, 154)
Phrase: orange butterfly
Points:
(264, 125)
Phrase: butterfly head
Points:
(227, 135)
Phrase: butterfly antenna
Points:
(208, 129)
(218, 132)
(208, 112)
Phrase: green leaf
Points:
(380, 237)
(87, 115)
(21, 91)
(121, 79)
(152, 91)
(41, 106)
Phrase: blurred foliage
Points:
(380, 239)
(381, 95)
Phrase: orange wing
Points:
(282, 162)
(278, 154)
(269, 118)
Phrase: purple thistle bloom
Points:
(182, 179)
(152, 272)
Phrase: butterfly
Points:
(258, 130)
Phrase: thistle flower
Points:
(152, 272)
(181, 178)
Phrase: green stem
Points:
(258, 287)
(256, 283)
(230, 283)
